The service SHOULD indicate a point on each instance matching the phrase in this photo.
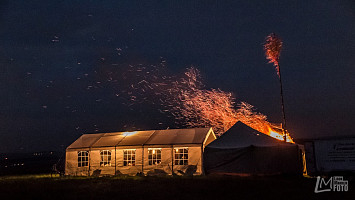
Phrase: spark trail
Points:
(189, 102)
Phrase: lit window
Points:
(105, 158)
(83, 158)
(181, 156)
(154, 156)
(129, 157)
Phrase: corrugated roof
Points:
(158, 137)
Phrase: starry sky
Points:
(54, 56)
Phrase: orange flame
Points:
(216, 108)
(192, 105)
(278, 135)
(272, 47)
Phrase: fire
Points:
(191, 105)
(217, 109)
(279, 135)
(275, 135)
(272, 47)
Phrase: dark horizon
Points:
(51, 52)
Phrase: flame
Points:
(279, 135)
(189, 102)
(275, 135)
(272, 47)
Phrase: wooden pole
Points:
(282, 106)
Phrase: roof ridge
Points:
(149, 130)
(96, 140)
(150, 137)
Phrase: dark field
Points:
(201, 187)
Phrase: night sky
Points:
(51, 51)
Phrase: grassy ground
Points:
(199, 187)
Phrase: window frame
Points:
(154, 156)
(129, 157)
(105, 158)
(181, 157)
(83, 160)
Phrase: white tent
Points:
(243, 150)
(155, 151)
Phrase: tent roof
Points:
(241, 135)
(152, 137)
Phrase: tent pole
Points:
(115, 162)
(142, 159)
(202, 168)
(89, 161)
(172, 159)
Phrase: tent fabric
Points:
(167, 142)
(153, 137)
(252, 160)
(179, 136)
(241, 135)
(85, 141)
(243, 150)
(167, 166)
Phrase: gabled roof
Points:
(138, 138)
(241, 135)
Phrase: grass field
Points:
(198, 187)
